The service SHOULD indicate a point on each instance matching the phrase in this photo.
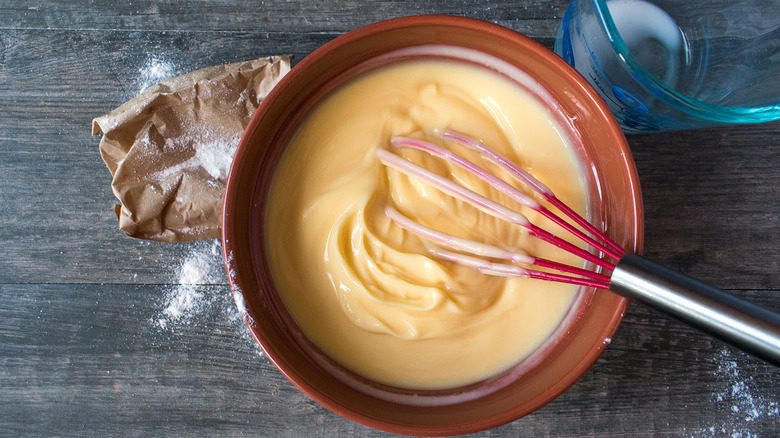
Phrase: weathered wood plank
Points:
(95, 359)
(711, 198)
(54, 187)
(696, 185)
(536, 18)
(89, 345)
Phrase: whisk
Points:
(744, 325)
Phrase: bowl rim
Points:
(228, 229)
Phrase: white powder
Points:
(200, 295)
(216, 158)
(213, 153)
(200, 267)
(238, 295)
(742, 402)
(739, 392)
(153, 71)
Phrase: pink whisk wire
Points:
(591, 236)
(534, 184)
(749, 327)
(485, 250)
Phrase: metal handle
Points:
(744, 325)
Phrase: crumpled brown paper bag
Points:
(170, 148)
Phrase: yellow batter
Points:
(367, 292)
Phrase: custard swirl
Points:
(369, 293)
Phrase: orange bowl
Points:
(614, 198)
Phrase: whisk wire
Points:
(499, 211)
(506, 270)
(538, 187)
(509, 190)
(486, 250)
(749, 327)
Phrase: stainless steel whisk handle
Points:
(744, 325)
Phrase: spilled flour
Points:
(153, 71)
(743, 400)
(201, 296)
(187, 299)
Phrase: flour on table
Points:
(741, 400)
(187, 299)
(153, 71)
(200, 296)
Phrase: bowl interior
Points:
(615, 201)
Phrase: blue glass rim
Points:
(703, 110)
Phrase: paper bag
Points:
(170, 148)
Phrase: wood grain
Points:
(48, 104)
(94, 359)
(709, 199)
(537, 18)
(88, 346)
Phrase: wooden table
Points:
(90, 339)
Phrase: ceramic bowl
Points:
(613, 188)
